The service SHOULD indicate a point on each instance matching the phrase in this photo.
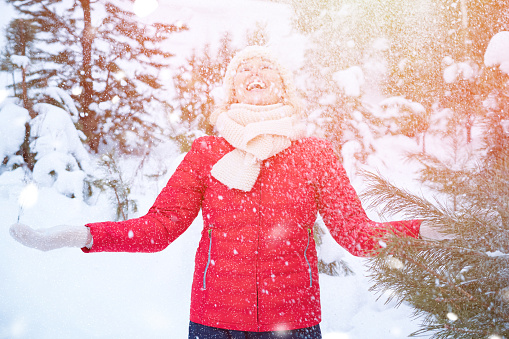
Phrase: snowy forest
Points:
(100, 100)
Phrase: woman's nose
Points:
(255, 71)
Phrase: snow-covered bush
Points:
(62, 161)
(12, 129)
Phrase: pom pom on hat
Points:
(265, 53)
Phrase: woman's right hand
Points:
(51, 238)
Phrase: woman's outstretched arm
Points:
(173, 211)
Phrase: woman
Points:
(260, 187)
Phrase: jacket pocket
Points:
(208, 261)
(307, 261)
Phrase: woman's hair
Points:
(290, 98)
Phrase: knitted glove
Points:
(432, 232)
(52, 238)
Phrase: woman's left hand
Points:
(428, 231)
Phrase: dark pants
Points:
(197, 331)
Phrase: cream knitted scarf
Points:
(257, 133)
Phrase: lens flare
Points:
(28, 196)
(452, 316)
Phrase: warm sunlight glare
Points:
(28, 196)
(143, 8)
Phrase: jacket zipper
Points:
(208, 261)
(257, 256)
(305, 257)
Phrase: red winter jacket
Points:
(256, 263)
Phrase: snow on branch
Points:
(497, 52)
(61, 96)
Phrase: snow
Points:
(460, 70)
(350, 80)
(20, 60)
(12, 128)
(54, 131)
(61, 96)
(497, 52)
(497, 254)
(143, 8)
(396, 102)
(67, 294)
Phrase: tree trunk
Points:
(23, 47)
(89, 119)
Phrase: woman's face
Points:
(257, 82)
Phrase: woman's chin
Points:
(260, 100)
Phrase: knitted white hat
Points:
(291, 96)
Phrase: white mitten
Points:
(432, 232)
(52, 238)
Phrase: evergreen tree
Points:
(112, 181)
(460, 286)
(107, 59)
(20, 36)
(195, 83)
(359, 37)
(402, 49)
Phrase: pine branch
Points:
(421, 262)
(394, 200)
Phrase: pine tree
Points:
(402, 49)
(372, 39)
(194, 84)
(108, 60)
(113, 181)
(20, 36)
(459, 286)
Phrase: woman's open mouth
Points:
(256, 84)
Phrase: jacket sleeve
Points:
(342, 212)
(173, 211)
